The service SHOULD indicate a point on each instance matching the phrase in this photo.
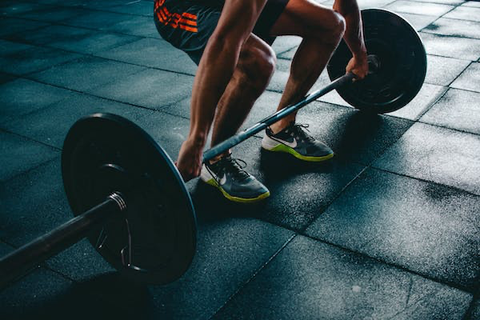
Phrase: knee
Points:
(257, 66)
(331, 30)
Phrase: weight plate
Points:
(154, 240)
(402, 68)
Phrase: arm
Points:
(353, 36)
(214, 72)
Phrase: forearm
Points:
(214, 73)
(354, 30)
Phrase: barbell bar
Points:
(128, 197)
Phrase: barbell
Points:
(128, 197)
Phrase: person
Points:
(230, 41)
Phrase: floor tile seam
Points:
(469, 90)
(424, 30)
(86, 8)
(29, 272)
(282, 58)
(430, 105)
(372, 163)
(357, 176)
(61, 24)
(16, 33)
(44, 163)
(46, 6)
(457, 19)
(461, 19)
(285, 51)
(442, 35)
(255, 273)
(8, 243)
(457, 189)
(448, 128)
(418, 15)
(441, 16)
(83, 93)
(152, 109)
(336, 196)
(471, 308)
(364, 255)
(258, 136)
(26, 74)
(351, 108)
(93, 95)
(454, 58)
(144, 66)
(19, 51)
(381, 152)
(318, 100)
(84, 55)
(95, 55)
(31, 139)
(458, 74)
(444, 128)
(25, 77)
(385, 5)
(122, 13)
(438, 2)
(45, 267)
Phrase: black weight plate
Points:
(154, 240)
(403, 64)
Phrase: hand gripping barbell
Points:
(132, 204)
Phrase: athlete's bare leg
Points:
(250, 79)
(321, 29)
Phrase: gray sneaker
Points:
(236, 184)
(295, 140)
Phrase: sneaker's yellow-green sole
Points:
(286, 149)
(214, 183)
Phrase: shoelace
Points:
(234, 167)
(299, 132)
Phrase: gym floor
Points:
(389, 229)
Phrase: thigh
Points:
(270, 14)
(302, 17)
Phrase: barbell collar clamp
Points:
(118, 198)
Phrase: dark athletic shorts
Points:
(188, 24)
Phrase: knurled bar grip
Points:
(29, 256)
(247, 133)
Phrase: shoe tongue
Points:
(233, 167)
(298, 130)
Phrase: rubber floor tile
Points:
(457, 109)
(312, 280)
(420, 226)
(436, 154)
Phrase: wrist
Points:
(360, 54)
(197, 140)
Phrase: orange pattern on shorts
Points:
(185, 21)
